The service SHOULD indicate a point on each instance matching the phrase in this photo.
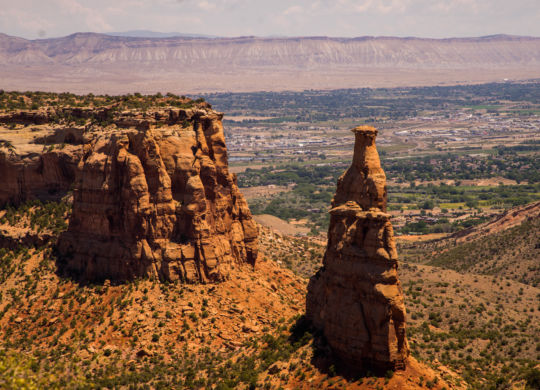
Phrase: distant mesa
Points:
(147, 62)
(356, 298)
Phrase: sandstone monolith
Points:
(356, 299)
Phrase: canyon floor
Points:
(123, 79)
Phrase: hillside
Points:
(510, 218)
(246, 332)
(92, 62)
(508, 245)
(513, 253)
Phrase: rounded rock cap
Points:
(365, 130)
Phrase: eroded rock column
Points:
(356, 298)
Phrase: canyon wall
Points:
(29, 168)
(39, 155)
(356, 298)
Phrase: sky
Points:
(338, 18)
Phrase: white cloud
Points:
(363, 6)
(428, 18)
(206, 5)
(373, 6)
(293, 10)
(24, 19)
(92, 17)
(453, 5)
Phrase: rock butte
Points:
(356, 298)
(153, 196)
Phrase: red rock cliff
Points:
(356, 298)
(155, 198)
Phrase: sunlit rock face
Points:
(155, 198)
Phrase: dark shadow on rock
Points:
(64, 271)
(303, 332)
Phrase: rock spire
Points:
(356, 298)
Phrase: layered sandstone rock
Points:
(356, 298)
(154, 197)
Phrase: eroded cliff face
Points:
(158, 201)
(153, 196)
(356, 298)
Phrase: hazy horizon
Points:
(152, 34)
(33, 19)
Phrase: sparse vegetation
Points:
(11, 101)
